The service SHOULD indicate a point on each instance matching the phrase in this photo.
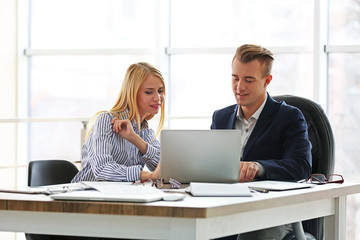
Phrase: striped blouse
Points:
(106, 156)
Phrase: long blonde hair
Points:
(127, 99)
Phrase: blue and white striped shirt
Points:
(106, 156)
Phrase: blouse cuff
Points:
(133, 173)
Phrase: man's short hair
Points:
(249, 52)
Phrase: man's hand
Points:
(248, 171)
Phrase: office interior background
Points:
(61, 61)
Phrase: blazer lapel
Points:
(263, 122)
(232, 119)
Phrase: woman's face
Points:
(150, 96)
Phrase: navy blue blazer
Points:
(279, 140)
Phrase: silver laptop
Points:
(113, 191)
(200, 155)
(93, 195)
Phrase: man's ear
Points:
(268, 80)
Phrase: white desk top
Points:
(198, 207)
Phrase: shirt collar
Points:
(256, 115)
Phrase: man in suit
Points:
(274, 137)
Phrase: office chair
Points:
(323, 145)
(49, 172)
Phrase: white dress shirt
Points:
(246, 127)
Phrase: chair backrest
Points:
(48, 172)
(319, 130)
(323, 147)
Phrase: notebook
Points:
(200, 155)
(115, 192)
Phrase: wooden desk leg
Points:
(335, 225)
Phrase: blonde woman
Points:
(120, 143)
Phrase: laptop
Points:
(113, 192)
(200, 155)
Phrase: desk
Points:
(192, 218)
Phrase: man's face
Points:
(249, 84)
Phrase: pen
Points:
(260, 190)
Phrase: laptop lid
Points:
(94, 195)
(200, 155)
(113, 191)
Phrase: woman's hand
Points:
(144, 175)
(123, 128)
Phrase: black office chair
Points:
(323, 148)
(49, 172)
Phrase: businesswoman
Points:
(119, 142)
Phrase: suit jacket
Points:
(279, 140)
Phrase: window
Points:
(217, 23)
(89, 24)
(344, 92)
(204, 36)
(78, 63)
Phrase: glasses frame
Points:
(316, 179)
(158, 183)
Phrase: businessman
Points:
(274, 139)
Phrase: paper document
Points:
(219, 190)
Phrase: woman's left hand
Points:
(123, 128)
